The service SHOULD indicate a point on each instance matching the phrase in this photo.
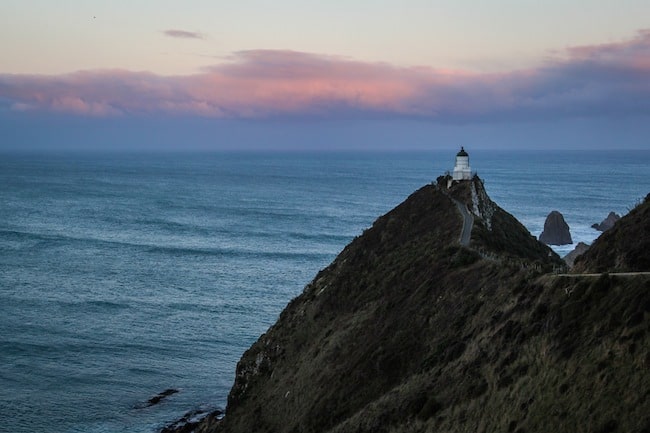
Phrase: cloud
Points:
(598, 80)
(183, 34)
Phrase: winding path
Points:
(468, 223)
(595, 275)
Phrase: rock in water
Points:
(191, 420)
(156, 399)
(556, 230)
(608, 222)
(580, 249)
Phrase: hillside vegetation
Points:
(407, 331)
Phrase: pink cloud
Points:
(608, 79)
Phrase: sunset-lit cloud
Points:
(183, 34)
(609, 79)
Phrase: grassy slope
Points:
(406, 331)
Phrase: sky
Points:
(354, 75)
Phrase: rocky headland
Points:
(408, 330)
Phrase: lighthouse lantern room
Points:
(462, 171)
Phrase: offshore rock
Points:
(556, 230)
(623, 248)
(189, 422)
(607, 223)
(580, 249)
(157, 398)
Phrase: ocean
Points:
(125, 274)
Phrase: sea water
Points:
(122, 275)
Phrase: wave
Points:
(46, 304)
(54, 349)
(174, 250)
(236, 253)
(60, 239)
(105, 305)
(301, 236)
(21, 235)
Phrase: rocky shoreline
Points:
(191, 420)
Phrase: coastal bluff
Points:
(408, 330)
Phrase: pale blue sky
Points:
(52, 37)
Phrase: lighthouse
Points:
(462, 171)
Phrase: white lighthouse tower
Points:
(462, 171)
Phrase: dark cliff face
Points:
(409, 331)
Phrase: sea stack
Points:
(608, 222)
(580, 249)
(556, 230)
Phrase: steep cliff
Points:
(407, 330)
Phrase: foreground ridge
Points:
(409, 329)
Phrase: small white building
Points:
(462, 171)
